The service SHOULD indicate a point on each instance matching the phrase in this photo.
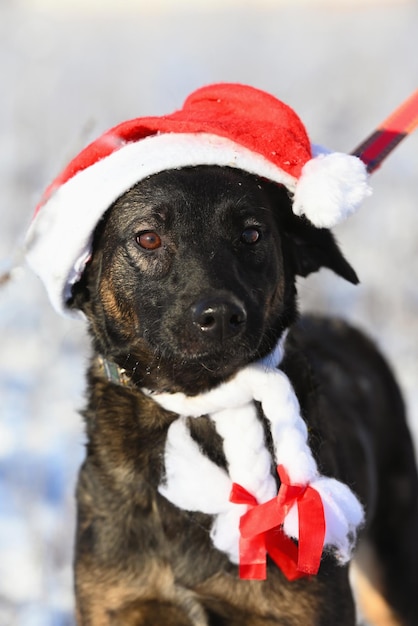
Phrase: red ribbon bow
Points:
(261, 531)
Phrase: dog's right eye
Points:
(148, 240)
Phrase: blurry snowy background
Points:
(70, 69)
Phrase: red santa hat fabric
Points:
(225, 124)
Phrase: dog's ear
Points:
(309, 248)
(81, 290)
(80, 293)
(312, 248)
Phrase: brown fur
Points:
(139, 559)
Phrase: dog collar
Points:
(112, 371)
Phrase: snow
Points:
(67, 76)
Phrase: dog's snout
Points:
(219, 317)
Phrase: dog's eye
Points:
(148, 240)
(250, 235)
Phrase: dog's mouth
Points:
(188, 369)
(194, 367)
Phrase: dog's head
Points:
(193, 274)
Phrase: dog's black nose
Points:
(219, 317)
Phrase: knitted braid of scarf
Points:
(194, 483)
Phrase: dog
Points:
(192, 277)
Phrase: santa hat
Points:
(227, 125)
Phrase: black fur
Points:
(212, 290)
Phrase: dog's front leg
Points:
(121, 575)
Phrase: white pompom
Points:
(331, 187)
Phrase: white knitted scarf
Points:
(194, 483)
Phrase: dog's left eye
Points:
(250, 235)
(148, 240)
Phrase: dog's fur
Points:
(215, 293)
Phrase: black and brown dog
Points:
(192, 277)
